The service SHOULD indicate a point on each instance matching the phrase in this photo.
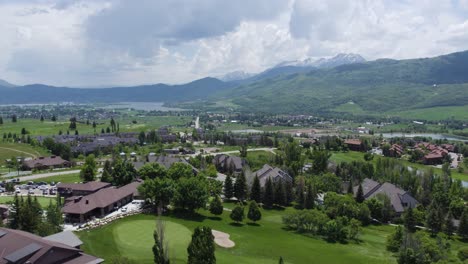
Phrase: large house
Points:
(274, 173)
(80, 189)
(100, 203)
(399, 198)
(165, 161)
(22, 247)
(354, 144)
(43, 163)
(228, 164)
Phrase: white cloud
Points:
(90, 42)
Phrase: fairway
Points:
(9, 150)
(265, 243)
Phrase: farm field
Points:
(265, 243)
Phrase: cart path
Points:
(20, 151)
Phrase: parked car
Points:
(31, 192)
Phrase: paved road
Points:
(271, 150)
(45, 175)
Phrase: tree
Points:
(463, 226)
(180, 170)
(281, 261)
(123, 173)
(268, 194)
(54, 217)
(240, 187)
(88, 171)
(309, 201)
(160, 248)
(360, 194)
(142, 138)
(201, 249)
(320, 161)
(254, 213)
(106, 176)
(409, 220)
(14, 213)
(216, 206)
(158, 191)
(243, 151)
(42, 118)
(1, 120)
(54, 118)
(237, 214)
(228, 188)
(395, 239)
(152, 170)
(280, 193)
(434, 219)
(256, 191)
(191, 194)
(14, 119)
(449, 227)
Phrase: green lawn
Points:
(353, 155)
(256, 159)
(132, 237)
(67, 178)
(44, 201)
(9, 150)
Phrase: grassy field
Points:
(353, 155)
(256, 159)
(44, 201)
(436, 113)
(263, 243)
(36, 127)
(9, 150)
(67, 178)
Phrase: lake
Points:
(146, 106)
(431, 135)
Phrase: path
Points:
(20, 151)
(45, 175)
(272, 150)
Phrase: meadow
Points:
(43, 201)
(9, 150)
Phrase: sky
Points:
(97, 43)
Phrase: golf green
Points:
(133, 238)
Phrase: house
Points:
(354, 144)
(232, 164)
(22, 247)
(44, 163)
(396, 151)
(433, 158)
(399, 198)
(80, 189)
(274, 173)
(168, 161)
(98, 204)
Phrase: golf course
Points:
(264, 242)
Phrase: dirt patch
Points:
(222, 239)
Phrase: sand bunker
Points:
(222, 239)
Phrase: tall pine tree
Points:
(268, 194)
(449, 227)
(160, 248)
(240, 187)
(360, 194)
(463, 227)
(201, 249)
(309, 202)
(228, 188)
(256, 191)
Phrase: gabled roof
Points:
(25, 247)
(91, 186)
(274, 173)
(100, 199)
(66, 238)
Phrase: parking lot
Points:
(33, 188)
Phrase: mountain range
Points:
(304, 86)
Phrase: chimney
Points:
(87, 201)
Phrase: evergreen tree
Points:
(54, 118)
(254, 213)
(463, 227)
(360, 194)
(14, 213)
(449, 228)
(1, 120)
(30, 215)
(410, 220)
(240, 187)
(88, 171)
(201, 249)
(309, 201)
(106, 176)
(14, 119)
(216, 206)
(256, 191)
(281, 261)
(160, 248)
(268, 194)
(42, 118)
(237, 214)
(350, 186)
(300, 190)
(228, 188)
(280, 193)
(434, 219)
(54, 217)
